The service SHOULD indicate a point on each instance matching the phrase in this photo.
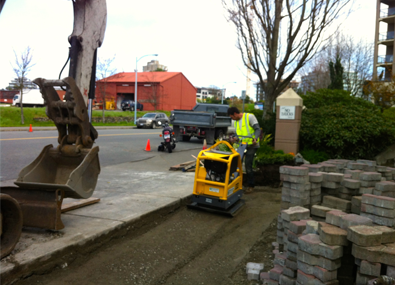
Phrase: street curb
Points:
(69, 253)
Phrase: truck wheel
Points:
(132, 108)
(153, 125)
(186, 138)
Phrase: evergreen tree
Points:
(336, 73)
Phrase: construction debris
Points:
(183, 166)
(79, 204)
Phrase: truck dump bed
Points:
(202, 115)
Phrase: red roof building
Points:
(7, 96)
(155, 90)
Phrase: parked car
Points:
(152, 120)
(129, 105)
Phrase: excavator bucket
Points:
(75, 175)
(69, 170)
(73, 166)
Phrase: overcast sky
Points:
(192, 37)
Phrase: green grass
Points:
(11, 117)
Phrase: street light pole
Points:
(222, 93)
(135, 87)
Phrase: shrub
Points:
(389, 114)
(267, 155)
(344, 126)
(314, 156)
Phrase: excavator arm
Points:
(90, 18)
(71, 169)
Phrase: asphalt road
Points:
(20, 148)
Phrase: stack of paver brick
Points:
(296, 186)
(293, 222)
(385, 172)
(368, 182)
(384, 188)
(356, 203)
(340, 164)
(359, 165)
(353, 174)
(336, 203)
(318, 212)
(328, 167)
(315, 180)
(374, 251)
(350, 188)
(392, 170)
(280, 231)
(380, 209)
(331, 183)
(314, 168)
(318, 252)
(370, 165)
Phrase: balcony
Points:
(385, 59)
(384, 13)
(386, 36)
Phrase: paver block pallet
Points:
(380, 209)
(313, 167)
(336, 203)
(364, 235)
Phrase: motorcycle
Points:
(169, 140)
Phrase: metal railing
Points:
(387, 12)
(385, 59)
(387, 36)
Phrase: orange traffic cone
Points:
(30, 129)
(148, 147)
(204, 144)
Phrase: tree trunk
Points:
(269, 100)
(104, 107)
(22, 116)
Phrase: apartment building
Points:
(154, 65)
(384, 48)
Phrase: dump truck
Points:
(204, 121)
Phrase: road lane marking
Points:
(107, 135)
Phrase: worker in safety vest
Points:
(248, 131)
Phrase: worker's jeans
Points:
(249, 158)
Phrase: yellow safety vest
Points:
(244, 131)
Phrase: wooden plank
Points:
(188, 163)
(79, 204)
(182, 165)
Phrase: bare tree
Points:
(103, 71)
(315, 74)
(356, 59)
(260, 28)
(23, 64)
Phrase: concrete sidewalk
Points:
(129, 192)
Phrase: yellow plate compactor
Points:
(219, 180)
